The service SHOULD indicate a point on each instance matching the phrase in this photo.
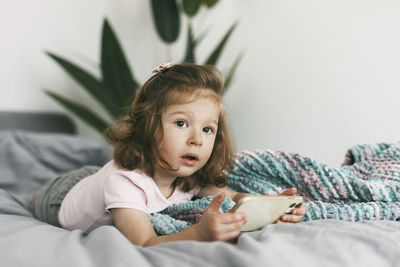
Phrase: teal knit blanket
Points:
(365, 187)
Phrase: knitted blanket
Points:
(365, 187)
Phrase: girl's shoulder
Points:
(113, 167)
(136, 176)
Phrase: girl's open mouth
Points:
(190, 159)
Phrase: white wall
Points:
(317, 76)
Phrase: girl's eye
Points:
(208, 130)
(181, 124)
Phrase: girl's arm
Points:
(136, 226)
(295, 216)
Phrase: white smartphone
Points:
(263, 210)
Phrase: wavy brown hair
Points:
(137, 138)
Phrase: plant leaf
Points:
(80, 111)
(231, 72)
(190, 46)
(117, 75)
(91, 84)
(190, 7)
(201, 36)
(166, 18)
(210, 3)
(213, 58)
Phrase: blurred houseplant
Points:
(117, 86)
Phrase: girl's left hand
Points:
(297, 214)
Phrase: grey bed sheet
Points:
(28, 160)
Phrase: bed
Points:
(31, 155)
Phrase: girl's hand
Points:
(297, 214)
(219, 226)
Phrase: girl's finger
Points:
(300, 211)
(291, 218)
(216, 203)
(289, 192)
(230, 217)
(229, 235)
(233, 226)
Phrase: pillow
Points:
(29, 160)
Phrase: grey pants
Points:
(46, 202)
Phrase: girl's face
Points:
(189, 132)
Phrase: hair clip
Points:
(163, 67)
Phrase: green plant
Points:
(117, 86)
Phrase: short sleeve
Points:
(120, 192)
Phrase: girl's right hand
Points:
(219, 226)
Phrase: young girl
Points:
(174, 145)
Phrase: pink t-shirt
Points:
(87, 205)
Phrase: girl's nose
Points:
(195, 139)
